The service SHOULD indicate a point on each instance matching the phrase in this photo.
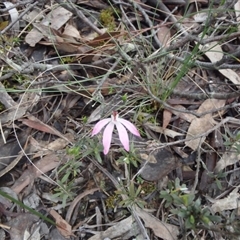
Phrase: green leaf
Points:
(58, 194)
(65, 177)
(177, 183)
(124, 97)
(185, 199)
(188, 224)
(219, 185)
(131, 189)
(192, 219)
(182, 213)
(198, 203)
(138, 191)
(64, 200)
(205, 220)
(98, 157)
(215, 218)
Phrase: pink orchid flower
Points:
(121, 125)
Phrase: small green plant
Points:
(66, 174)
(65, 191)
(174, 189)
(67, 59)
(16, 41)
(20, 78)
(133, 196)
(130, 158)
(90, 147)
(187, 206)
(232, 140)
(84, 119)
(217, 178)
(112, 201)
(124, 98)
(107, 18)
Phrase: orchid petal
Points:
(99, 126)
(129, 126)
(107, 137)
(123, 135)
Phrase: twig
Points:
(70, 7)
(2, 133)
(19, 17)
(203, 96)
(189, 37)
(206, 65)
(192, 37)
(5, 98)
(167, 106)
(76, 200)
(218, 125)
(162, 7)
(15, 6)
(30, 67)
(97, 90)
(149, 22)
(197, 170)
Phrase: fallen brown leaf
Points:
(56, 19)
(227, 203)
(201, 125)
(39, 125)
(44, 165)
(167, 115)
(64, 228)
(214, 52)
(161, 229)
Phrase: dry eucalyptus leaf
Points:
(19, 225)
(44, 165)
(32, 236)
(56, 19)
(63, 227)
(201, 125)
(35, 123)
(48, 148)
(161, 229)
(164, 35)
(166, 131)
(10, 153)
(185, 116)
(228, 203)
(227, 159)
(117, 230)
(28, 101)
(214, 52)
(5, 98)
(71, 31)
(6, 202)
(167, 116)
(32, 200)
(34, 15)
(13, 12)
(197, 127)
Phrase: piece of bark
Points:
(158, 164)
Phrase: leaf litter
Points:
(172, 69)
